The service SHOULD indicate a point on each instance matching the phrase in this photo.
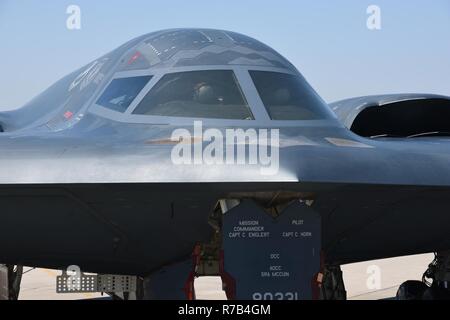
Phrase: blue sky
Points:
(327, 40)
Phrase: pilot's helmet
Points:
(204, 93)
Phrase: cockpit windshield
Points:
(288, 97)
(121, 92)
(213, 94)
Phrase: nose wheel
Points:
(435, 284)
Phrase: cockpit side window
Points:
(288, 97)
(121, 92)
(213, 94)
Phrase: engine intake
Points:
(396, 116)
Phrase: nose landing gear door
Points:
(268, 258)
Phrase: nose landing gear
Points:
(262, 256)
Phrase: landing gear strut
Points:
(331, 284)
(10, 279)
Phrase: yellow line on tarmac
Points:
(51, 273)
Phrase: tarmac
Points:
(372, 280)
